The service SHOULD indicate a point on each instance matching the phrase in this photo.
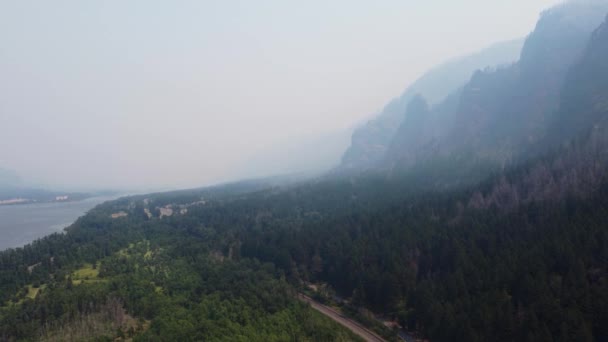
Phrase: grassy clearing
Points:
(86, 274)
(32, 292)
(87, 271)
(139, 249)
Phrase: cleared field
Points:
(32, 291)
(86, 274)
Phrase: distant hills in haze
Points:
(500, 115)
(371, 141)
(13, 190)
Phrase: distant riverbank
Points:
(24, 223)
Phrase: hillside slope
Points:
(369, 143)
(502, 114)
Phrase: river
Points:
(22, 224)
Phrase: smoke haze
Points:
(150, 94)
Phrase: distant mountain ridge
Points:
(13, 190)
(501, 116)
(370, 142)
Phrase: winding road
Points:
(353, 326)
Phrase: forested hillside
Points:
(149, 279)
(438, 262)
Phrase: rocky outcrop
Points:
(371, 142)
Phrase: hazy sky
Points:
(181, 93)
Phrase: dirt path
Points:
(343, 320)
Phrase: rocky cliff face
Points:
(579, 131)
(502, 114)
(584, 101)
(371, 142)
(420, 133)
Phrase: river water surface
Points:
(22, 224)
